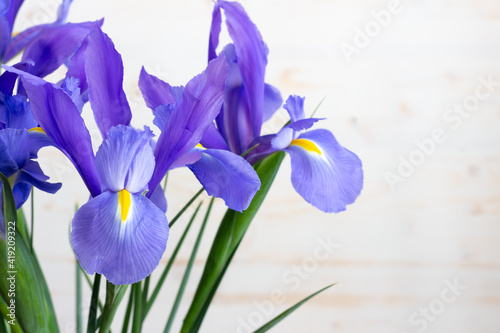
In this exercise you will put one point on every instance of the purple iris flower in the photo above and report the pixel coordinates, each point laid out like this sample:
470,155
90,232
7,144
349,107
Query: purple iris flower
47,45
121,233
324,173
222,173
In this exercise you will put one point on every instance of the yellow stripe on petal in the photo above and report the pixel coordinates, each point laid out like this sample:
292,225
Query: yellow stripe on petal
200,146
37,129
306,144
124,203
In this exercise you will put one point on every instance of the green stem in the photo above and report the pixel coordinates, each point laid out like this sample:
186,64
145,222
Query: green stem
78,298
185,279
137,322
163,276
126,320
186,206
91,327
114,296
32,217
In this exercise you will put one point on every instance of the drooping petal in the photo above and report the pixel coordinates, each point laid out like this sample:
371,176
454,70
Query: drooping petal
120,235
155,91
272,101
200,103
8,79
38,139
33,175
295,107
104,69
227,176
251,56
54,45
324,173
60,119
125,159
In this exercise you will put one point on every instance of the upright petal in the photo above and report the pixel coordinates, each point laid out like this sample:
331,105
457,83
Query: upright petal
104,68
251,58
54,45
155,91
324,173
272,101
76,67
125,159
227,176
59,117
120,236
194,112
215,29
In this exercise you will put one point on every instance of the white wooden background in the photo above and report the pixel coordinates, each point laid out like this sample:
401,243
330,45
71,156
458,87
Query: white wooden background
398,248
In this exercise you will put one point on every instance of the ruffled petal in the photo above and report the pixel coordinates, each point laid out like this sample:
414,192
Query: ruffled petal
324,173
155,91
227,176
59,117
200,103
125,159
16,112
125,250
295,107
104,69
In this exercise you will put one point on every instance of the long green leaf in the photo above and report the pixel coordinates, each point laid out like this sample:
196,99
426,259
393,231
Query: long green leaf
187,272
33,307
163,276
230,233
285,314
94,300
126,320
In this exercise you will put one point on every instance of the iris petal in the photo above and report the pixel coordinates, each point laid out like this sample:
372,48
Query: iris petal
328,180
200,103
295,107
124,252
60,119
227,176
155,91
125,159
104,69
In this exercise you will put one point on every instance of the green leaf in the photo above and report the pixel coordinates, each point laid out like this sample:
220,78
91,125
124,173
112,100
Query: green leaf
231,231
94,300
163,276
33,307
126,320
188,270
285,314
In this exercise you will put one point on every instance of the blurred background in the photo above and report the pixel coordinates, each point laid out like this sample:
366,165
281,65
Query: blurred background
412,87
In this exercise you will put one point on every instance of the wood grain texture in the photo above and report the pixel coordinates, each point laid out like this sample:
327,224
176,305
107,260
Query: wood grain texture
396,247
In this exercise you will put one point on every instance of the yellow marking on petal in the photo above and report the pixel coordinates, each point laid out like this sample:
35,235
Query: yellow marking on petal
37,129
200,146
15,34
306,144
124,202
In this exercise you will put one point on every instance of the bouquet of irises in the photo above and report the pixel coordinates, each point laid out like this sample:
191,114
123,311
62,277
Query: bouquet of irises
212,126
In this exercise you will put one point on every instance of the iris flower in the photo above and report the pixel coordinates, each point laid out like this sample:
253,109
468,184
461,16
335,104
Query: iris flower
222,173
324,173
119,232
